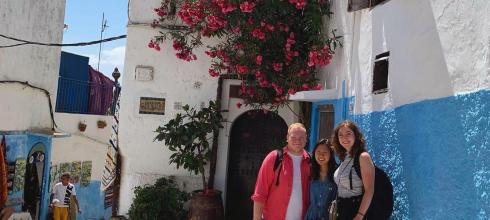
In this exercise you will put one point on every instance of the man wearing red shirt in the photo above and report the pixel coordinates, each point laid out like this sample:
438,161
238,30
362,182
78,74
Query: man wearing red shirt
287,198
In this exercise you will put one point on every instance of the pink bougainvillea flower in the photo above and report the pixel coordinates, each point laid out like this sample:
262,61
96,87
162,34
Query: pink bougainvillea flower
151,44
238,104
211,54
213,73
305,86
235,30
291,91
269,27
257,33
247,7
160,12
317,87
300,4
157,47
277,66
258,59
241,69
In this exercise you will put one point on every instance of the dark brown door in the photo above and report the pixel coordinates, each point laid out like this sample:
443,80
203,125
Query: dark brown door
253,135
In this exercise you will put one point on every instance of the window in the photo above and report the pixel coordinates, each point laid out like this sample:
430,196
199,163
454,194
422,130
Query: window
326,121
380,73
355,5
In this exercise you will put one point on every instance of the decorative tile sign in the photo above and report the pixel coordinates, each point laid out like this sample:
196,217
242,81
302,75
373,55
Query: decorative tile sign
149,105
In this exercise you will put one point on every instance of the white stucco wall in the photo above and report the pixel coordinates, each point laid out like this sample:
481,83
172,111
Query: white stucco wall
68,123
38,65
90,145
79,148
437,49
143,159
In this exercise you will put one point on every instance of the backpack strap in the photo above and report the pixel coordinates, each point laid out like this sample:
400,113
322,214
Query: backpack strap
278,164
357,168
357,164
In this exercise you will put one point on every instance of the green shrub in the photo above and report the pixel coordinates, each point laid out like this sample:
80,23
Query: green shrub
163,200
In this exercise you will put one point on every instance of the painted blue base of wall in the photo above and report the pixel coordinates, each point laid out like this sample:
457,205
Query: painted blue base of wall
91,200
437,153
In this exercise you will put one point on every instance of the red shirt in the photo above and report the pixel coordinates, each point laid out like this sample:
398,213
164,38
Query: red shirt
276,198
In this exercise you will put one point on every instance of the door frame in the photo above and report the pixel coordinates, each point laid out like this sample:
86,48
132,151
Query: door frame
230,113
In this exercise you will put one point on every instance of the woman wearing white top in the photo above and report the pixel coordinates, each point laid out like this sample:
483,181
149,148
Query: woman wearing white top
354,193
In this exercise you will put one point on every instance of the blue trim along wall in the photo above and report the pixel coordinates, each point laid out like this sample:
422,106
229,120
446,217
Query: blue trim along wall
437,153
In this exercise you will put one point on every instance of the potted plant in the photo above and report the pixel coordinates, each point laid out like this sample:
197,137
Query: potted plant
101,123
82,126
187,137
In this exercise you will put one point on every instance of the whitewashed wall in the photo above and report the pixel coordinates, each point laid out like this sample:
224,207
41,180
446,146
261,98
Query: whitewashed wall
437,49
90,145
37,65
143,159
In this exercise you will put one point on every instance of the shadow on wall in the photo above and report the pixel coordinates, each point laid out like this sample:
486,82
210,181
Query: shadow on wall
417,63
436,153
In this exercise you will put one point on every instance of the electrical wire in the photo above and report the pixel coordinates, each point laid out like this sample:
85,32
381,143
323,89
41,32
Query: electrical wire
53,123
26,42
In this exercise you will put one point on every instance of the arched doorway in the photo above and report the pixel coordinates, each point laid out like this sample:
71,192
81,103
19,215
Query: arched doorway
253,135
34,180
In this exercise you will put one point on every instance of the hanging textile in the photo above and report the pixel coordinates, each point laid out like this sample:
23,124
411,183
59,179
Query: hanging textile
109,174
3,173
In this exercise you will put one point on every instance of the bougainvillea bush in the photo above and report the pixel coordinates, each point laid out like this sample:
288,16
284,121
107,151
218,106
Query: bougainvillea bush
274,46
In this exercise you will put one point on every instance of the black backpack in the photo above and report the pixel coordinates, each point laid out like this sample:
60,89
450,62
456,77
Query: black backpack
381,206
278,161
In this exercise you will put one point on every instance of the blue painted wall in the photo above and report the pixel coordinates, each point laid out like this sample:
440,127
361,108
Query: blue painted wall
91,200
437,153
19,145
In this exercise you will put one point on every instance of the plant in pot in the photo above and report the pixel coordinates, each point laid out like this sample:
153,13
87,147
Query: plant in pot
82,126
101,123
187,137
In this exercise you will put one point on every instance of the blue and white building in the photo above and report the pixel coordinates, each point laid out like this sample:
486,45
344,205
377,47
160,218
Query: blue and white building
415,76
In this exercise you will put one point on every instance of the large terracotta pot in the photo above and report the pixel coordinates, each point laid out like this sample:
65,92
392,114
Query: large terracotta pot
206,206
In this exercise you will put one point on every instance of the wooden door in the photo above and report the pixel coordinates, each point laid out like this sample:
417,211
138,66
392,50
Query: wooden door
253,135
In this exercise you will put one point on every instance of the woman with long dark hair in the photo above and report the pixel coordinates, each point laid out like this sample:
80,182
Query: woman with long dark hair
322,186
355,192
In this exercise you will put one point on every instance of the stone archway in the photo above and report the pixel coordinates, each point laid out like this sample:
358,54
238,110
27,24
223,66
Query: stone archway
252,136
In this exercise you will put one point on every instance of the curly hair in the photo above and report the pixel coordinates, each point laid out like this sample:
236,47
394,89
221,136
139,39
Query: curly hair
332,164
359,143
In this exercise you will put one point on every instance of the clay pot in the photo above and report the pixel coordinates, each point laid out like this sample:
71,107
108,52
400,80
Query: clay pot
206,206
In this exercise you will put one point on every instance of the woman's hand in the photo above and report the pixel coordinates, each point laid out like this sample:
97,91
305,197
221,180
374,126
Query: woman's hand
358,217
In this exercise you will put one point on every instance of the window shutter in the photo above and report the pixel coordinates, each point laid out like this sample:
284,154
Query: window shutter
326,121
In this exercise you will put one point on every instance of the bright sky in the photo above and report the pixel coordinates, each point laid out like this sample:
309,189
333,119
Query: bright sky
84,18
